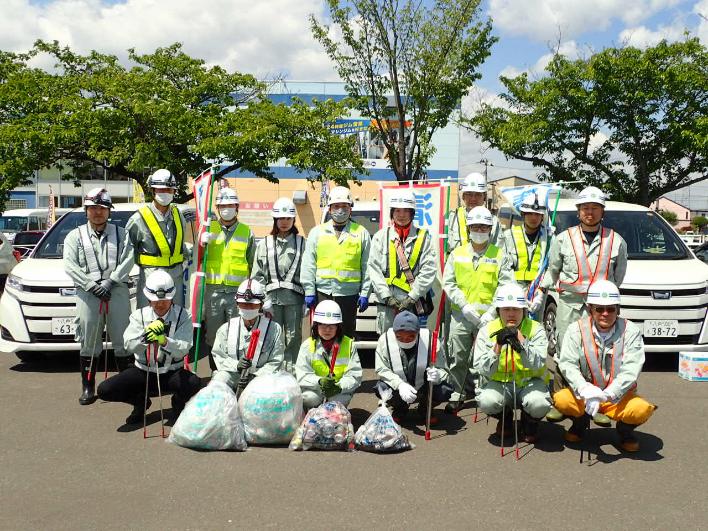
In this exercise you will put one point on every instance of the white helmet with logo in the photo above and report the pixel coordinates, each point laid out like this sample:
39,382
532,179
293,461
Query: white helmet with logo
283,208
474,182
327,312
479,216
98,197
403,198
603,293
162,179
530,204
591,194
339,194
250,291
510,296
159,286
227,196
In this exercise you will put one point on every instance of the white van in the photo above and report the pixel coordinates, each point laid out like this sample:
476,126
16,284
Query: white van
38,305
23,219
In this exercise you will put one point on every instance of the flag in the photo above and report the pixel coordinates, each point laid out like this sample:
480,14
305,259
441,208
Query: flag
200,189
138,194
516,194
51,214
324,194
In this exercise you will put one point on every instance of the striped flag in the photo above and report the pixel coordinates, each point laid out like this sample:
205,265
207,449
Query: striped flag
516,194
51,213
200,190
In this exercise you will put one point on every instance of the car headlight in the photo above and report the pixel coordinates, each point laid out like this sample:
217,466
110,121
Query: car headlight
14,282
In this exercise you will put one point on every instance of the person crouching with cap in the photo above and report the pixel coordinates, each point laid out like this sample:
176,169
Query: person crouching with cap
510,350
234,337
164,331
314,361
403,366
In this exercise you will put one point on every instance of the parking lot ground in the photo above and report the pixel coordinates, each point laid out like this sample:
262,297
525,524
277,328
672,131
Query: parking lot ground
65,466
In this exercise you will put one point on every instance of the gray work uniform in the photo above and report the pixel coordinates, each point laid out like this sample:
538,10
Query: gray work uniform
144,243
111,257
424,272
277,267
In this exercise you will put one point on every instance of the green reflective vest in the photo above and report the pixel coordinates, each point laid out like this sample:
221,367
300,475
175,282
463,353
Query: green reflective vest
321,366
227,263
340,261
510,361
526,270
479,284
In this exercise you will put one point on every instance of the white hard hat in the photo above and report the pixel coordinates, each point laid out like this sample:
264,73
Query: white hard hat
402,199
339,194
98,197
327,312
474,182
510,296
227,196
283,208
250,291
479,215
531,205
591,194
603,293
159,286
162,179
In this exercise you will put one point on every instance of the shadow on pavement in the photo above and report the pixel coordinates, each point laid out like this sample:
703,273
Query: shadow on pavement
661,362
603,445
55,363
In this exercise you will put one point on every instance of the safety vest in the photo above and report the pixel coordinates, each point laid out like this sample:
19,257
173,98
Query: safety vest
421,362
276,279
396,277
168,256
585,274
511,366
233,339
340,261
462,225
95,272
321,365
592,353
227,263
147,315
479,284
527,268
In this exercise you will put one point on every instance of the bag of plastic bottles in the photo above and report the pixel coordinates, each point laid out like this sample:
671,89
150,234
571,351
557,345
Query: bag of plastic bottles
210,421
327,427
381,434
271,408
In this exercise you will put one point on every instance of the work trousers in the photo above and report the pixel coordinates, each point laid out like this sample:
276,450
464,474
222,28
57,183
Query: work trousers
219,307
441,393
289,317
90,322
460,356
631,409
348,306
533,397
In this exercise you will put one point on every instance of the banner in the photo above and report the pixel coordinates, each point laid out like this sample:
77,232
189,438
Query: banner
51,213
516,194
344,126
138,193
200,189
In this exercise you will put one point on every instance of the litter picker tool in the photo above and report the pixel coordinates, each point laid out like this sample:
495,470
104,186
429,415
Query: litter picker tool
147,379
250,352
433,359
94,343
103,309
332,363
513,406
506,370
156,349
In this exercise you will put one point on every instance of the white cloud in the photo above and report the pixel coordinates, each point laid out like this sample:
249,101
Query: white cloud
570,49
701,9
643,37
546,20
256,37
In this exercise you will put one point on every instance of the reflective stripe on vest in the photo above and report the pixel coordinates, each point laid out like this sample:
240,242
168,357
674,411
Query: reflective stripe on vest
395,276
592,352
505,371
479,284
168,256
462,225
95,272
233,339
167,365
340,261
421,362
287,281
321,366
227,262
602,267
526,270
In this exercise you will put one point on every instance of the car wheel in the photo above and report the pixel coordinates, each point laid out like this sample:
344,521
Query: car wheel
29,357
549,323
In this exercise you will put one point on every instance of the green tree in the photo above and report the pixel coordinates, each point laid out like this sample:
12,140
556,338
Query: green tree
634,122
699,222
167,110
669,216
406,61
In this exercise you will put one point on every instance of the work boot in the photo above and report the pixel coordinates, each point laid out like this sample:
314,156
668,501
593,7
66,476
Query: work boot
136,416
530,427
399,414
422,413
177,407
554,415
454,406
577,430
602,420
125,362
628,442
88,382
508,424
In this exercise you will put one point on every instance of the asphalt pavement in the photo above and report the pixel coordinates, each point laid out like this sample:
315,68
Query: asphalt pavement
66,466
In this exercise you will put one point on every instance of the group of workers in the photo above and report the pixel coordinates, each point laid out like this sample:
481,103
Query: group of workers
492,349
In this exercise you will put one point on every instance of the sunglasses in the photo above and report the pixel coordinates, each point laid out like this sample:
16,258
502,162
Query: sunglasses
604,309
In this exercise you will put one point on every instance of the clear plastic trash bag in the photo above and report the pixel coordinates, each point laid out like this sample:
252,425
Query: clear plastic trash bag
381,434
327,427
271,408
210,421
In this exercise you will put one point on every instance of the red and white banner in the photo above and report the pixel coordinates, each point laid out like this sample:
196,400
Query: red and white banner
200,189
51,214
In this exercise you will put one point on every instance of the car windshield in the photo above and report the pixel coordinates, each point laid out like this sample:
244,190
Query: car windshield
13,223
648,236
53,245
369,219
27,238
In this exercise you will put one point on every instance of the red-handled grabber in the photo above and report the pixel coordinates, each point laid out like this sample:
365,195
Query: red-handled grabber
433,359
250,352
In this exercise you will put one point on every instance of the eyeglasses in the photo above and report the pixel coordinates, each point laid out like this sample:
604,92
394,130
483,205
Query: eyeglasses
604,309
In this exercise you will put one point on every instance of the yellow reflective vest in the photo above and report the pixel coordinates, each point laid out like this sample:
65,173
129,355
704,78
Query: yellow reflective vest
340,261
462,225
321,367
396,277
479,284
169,256
511,366
526,270
227,262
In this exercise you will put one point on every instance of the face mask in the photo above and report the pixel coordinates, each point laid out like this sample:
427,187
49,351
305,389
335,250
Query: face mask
249,315
411,344
164,199
479,237
227,214
340,215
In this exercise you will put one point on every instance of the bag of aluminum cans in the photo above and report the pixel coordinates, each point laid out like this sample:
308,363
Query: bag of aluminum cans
327,427
381,434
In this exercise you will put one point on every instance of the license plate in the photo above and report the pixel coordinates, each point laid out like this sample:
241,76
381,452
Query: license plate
661,328
63,326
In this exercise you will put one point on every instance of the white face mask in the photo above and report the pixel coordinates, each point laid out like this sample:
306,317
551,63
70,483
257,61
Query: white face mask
249,315
340,215
227,214
410,344
479,237
164,198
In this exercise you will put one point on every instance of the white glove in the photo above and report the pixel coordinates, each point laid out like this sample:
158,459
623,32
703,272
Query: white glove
589,391
592,406
434,375
205,238
407,392
471,314
535,304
